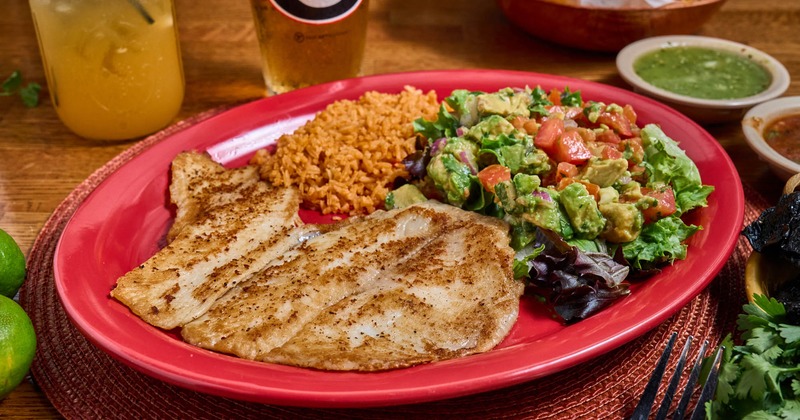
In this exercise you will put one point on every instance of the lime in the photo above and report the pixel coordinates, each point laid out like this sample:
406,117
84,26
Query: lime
12,265
17,345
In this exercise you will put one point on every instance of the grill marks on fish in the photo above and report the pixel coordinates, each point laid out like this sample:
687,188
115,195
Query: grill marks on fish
437,305
223,241
425,283
242,275
272,306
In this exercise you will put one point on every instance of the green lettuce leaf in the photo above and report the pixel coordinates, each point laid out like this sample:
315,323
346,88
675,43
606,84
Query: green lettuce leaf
659,242
445,125
667,164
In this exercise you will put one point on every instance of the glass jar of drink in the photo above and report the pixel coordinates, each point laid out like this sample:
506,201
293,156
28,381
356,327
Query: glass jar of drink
306,42
113,67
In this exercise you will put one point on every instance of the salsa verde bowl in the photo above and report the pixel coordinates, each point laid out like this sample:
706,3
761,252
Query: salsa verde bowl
711,66
756,126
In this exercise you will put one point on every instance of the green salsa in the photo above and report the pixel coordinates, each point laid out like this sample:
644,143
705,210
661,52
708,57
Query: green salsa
704,73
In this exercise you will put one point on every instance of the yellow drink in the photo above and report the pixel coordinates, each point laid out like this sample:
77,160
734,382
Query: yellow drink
306,42
113,69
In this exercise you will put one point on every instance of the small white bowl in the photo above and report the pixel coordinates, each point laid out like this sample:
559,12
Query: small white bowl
702,110
753,125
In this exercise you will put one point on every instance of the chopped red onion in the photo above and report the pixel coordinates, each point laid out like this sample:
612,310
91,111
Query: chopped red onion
437,145
465,160
543,195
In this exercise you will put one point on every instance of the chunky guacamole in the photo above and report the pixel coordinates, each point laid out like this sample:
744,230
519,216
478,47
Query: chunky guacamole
551,162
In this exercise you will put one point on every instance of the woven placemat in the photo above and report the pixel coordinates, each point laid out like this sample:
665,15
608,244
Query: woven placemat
82,381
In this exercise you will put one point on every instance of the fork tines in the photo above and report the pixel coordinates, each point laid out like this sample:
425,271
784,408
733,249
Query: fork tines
648,397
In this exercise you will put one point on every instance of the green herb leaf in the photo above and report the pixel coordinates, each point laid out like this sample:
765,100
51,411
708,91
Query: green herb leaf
569,98
790,333
760,379
445,125
539,101
30,94
12,83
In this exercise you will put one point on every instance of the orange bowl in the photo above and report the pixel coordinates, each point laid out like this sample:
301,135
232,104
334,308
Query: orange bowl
565,22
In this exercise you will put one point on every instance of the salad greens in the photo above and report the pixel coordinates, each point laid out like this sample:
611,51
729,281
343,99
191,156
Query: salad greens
761,378
582,172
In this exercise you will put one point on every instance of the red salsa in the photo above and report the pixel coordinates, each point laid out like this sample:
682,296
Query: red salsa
783,135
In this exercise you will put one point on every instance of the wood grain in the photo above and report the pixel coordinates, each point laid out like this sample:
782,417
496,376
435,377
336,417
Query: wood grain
41,161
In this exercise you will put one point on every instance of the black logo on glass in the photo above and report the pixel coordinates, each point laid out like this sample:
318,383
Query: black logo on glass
316,11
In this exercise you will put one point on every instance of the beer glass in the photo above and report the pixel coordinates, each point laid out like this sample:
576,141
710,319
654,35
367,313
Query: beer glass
113,67
306,42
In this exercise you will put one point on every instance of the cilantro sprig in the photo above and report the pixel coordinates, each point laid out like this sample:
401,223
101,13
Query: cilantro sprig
761,378
28,93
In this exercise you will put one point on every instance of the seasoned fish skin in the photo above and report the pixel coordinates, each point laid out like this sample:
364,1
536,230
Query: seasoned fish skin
198,185
273,305
251,224
425,283
456,296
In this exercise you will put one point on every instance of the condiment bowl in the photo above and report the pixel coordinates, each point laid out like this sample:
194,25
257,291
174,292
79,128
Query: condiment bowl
598,25
706,111
757,120
763,273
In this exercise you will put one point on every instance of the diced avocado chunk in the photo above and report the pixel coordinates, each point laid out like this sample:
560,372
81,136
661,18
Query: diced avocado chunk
451,176
582,210
526,184
505,102
491,126
404,196
521,159
541,208
624,222
608,195
604,172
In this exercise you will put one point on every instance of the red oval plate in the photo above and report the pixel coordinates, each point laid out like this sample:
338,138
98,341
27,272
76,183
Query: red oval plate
122,222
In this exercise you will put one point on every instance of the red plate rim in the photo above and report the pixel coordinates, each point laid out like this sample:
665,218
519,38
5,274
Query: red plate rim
122,221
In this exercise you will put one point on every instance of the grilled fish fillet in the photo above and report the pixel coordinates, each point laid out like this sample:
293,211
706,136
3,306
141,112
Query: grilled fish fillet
393,289
198,185
232,225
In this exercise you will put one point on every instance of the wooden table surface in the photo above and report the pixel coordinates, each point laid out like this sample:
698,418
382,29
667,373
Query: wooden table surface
41,162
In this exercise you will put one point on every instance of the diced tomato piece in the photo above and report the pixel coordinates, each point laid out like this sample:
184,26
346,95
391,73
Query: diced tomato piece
592,189
629,113
611,152
493,175
638,173
571,148
530,127
518,121
587,134
665,204
566,170
634,145
555,97
550,130
608,136
563,182
617,122
582,120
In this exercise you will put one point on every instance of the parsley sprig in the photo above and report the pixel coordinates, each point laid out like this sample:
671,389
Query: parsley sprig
28,93
761,378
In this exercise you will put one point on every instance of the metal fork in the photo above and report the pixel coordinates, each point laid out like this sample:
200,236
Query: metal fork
648,397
